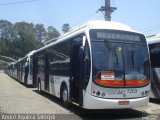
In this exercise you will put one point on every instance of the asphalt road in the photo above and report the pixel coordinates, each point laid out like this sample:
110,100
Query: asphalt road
20,102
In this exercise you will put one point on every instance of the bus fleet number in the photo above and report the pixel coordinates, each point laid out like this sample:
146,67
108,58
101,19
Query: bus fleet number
131,90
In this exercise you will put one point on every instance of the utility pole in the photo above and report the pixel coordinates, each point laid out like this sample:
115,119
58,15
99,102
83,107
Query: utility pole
107,9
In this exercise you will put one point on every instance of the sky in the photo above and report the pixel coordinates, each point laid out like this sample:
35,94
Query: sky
141,15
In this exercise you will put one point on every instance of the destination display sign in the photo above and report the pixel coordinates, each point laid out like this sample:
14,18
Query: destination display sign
118,36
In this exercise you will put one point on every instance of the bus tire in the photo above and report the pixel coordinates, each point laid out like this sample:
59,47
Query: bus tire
39,87
64,96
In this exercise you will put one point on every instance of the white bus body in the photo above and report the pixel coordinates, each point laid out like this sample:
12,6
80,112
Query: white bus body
101,65
22,70
154,47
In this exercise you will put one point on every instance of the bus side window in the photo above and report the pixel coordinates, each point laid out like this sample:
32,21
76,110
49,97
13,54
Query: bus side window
59,59
155,55
41,65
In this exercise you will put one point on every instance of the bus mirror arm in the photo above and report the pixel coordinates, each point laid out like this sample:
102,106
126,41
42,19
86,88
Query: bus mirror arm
72,79
84,40
83,62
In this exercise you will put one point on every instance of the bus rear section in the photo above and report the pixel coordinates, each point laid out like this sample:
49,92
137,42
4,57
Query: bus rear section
120,70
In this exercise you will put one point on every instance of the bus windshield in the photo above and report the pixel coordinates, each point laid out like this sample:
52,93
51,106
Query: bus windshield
120,61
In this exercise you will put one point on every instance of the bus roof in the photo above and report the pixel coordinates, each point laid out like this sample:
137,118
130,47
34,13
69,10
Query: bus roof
153,39
101,24
98,24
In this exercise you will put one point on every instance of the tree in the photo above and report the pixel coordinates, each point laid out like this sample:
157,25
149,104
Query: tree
24,30
6,30
25,34
17,40
40,32
65,27
52,33
6,35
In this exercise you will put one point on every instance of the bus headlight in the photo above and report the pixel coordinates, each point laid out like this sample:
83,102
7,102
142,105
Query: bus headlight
98,93
103,94
145,93
142,93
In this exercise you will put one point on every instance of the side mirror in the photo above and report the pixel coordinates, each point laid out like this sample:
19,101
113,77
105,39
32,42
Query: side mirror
81,52
84,40
26,63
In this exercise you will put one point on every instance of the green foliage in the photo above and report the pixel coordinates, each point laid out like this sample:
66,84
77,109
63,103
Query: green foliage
16,40
52,33
2,65
65,27
40,32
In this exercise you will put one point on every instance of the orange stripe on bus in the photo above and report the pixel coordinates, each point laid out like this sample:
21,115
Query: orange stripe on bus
110,83
130,83
107,73
122,83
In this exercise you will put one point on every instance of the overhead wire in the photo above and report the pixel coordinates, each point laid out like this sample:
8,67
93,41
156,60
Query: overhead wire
113,2
151,29
101,2
93,13
18,2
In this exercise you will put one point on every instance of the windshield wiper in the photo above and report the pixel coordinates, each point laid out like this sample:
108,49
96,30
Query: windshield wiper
133,55
133,58
114,54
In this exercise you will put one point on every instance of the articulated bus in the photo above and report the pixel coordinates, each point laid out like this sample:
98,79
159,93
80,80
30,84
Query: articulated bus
154,48
22,70
9,69
100,65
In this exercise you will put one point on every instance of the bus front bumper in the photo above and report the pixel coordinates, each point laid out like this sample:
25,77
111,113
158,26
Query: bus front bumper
91,102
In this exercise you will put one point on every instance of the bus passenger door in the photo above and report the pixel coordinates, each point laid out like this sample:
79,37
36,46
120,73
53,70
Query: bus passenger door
75,73
35,69
42,75
26,72
46,73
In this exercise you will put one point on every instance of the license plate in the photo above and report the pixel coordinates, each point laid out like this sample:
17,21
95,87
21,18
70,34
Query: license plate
123,102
